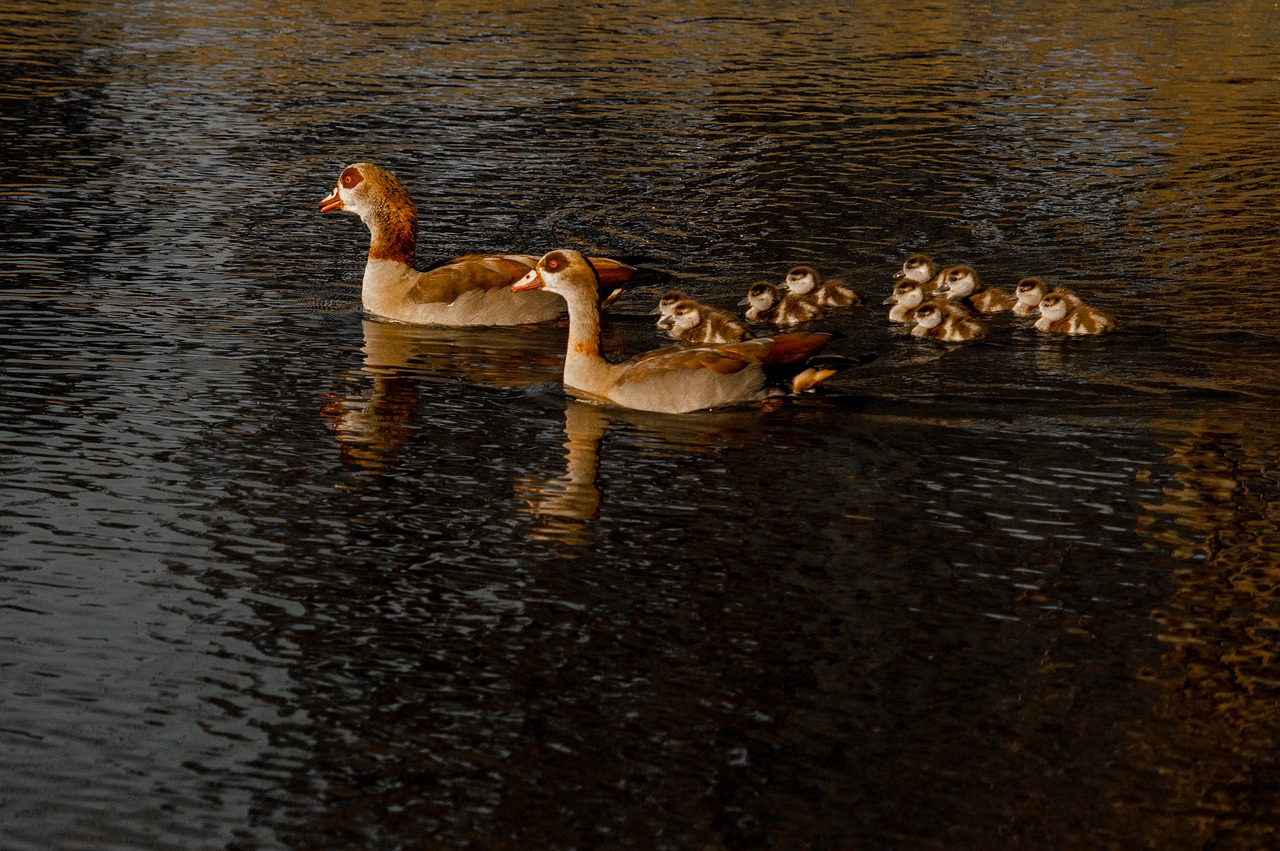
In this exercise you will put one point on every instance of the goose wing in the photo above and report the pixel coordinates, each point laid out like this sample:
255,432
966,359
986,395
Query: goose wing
725,358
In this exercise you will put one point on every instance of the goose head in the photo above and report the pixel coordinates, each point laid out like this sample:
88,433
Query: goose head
917,268
929,316
383,204
367,190
801,280
686,314
1031,290
958,282
666,304
1055,305
906,293
762,296
564,272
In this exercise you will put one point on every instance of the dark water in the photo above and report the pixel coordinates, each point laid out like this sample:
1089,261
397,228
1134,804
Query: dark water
276,575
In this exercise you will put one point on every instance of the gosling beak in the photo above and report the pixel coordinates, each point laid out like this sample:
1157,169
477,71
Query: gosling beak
890,300
331,202
530,281
899,275
746,300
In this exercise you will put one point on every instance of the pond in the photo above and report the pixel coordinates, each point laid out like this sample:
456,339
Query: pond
276,573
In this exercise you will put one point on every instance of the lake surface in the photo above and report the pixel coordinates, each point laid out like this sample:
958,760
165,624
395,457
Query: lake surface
276,574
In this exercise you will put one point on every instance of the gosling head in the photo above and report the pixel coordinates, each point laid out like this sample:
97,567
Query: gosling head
918,268
929,316
667,303
686,314
1030,291
1055,305
959,282
907,293
762,296
801,280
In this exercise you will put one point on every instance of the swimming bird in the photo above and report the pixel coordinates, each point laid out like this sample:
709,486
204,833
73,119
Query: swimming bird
907,295
802,281
666,304
961,282
769,306
918,268
676,379
699,323
1064,313
470,290
1029,292
937,320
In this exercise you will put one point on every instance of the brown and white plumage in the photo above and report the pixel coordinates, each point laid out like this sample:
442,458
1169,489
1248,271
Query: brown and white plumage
1029,292
1064,313
961,283
907,295
918,268
940,320
769,306
803,282
474,289
677,379
666,304
700,323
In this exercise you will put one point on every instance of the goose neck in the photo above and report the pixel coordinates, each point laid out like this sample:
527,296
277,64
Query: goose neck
393,230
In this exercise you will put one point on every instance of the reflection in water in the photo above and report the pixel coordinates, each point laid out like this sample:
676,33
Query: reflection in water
374,421
562,504
372,426
1222,628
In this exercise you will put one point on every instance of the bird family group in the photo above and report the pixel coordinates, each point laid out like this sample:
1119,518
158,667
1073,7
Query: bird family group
719,361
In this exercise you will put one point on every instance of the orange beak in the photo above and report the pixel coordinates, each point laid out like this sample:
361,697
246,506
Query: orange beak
530,281
331,202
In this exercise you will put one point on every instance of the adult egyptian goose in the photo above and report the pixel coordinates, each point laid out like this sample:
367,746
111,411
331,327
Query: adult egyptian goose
802,282
674,380
960,283
474,289
1064,313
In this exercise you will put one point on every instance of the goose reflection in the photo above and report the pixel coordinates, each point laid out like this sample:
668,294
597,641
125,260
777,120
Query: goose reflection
377,410
374,421
563,504
560,506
